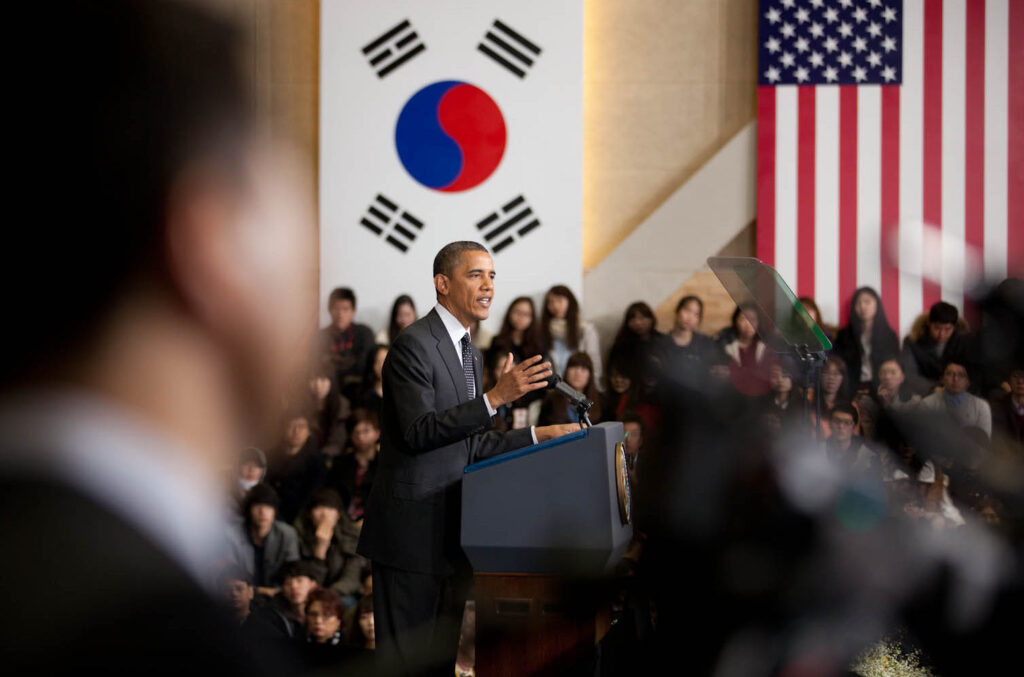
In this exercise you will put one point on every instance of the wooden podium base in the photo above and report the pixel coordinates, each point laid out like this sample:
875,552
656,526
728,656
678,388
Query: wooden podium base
523,627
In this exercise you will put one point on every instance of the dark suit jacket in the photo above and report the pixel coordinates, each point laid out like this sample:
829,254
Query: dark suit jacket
83,589
430,430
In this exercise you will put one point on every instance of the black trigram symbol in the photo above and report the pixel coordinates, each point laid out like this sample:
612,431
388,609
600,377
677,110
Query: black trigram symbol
513,221
509,48
397,227
393,48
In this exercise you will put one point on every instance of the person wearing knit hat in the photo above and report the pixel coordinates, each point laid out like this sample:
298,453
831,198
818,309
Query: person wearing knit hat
328,537
260,543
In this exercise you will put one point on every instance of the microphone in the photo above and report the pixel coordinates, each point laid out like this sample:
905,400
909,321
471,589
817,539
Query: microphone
578,399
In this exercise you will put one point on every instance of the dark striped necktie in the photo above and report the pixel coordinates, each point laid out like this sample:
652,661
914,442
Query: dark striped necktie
467,366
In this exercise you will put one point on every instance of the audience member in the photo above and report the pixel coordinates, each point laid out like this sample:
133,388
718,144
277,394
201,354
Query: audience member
812,309
748,354
953,399
579,374
622,392
935,338
283,617
686,354
638,336
785,402
328,537
252,468
296,467
563,332
352,475
259,543
848,450
373,385
867,340
403,313
344,345
324,612
892,391
361,633
633,426
236,585
1008,413
519,334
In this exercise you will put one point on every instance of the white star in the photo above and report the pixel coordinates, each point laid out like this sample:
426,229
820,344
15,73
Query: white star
772,74
816,3
845,3
889,73
889,44
845,29
787,30
802,45
875,59
788,4
831,74
831,44
875,29
801,74
845,59
772,15
816,30
889,14
859,74
832,15
802,15
875,3
772,45
860,44
786,60
816,59
860,14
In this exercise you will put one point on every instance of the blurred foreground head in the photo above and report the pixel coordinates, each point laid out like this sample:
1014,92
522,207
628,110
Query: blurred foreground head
162,254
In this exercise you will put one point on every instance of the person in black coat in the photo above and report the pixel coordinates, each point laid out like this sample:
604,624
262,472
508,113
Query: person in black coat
296,468
435,422
867,340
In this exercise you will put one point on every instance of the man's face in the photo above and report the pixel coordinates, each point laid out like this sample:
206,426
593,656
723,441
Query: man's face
634,439
470,289
262,516
239,595
940,331
342,313
842,426
890,375
1017,383
365,435
298,432
296,588
954,379
321,623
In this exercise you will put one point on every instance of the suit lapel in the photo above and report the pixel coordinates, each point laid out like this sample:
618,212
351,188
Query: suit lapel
447,351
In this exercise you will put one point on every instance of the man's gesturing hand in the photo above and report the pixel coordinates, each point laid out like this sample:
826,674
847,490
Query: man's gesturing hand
550,432
514,382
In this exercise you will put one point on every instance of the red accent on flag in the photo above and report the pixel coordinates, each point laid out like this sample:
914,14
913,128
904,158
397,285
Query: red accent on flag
932,161
974,136
890,203
766,174
847,198
805,192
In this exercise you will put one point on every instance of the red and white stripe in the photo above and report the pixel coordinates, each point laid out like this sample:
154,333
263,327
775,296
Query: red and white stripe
854,183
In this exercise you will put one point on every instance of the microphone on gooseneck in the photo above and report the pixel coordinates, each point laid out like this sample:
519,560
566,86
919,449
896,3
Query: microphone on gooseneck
577,398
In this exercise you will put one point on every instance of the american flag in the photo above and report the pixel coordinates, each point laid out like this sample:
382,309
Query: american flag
890,144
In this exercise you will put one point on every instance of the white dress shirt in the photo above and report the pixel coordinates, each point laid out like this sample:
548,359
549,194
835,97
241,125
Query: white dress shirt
456,331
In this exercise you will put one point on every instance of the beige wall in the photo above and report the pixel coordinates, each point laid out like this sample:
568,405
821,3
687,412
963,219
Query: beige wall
666,84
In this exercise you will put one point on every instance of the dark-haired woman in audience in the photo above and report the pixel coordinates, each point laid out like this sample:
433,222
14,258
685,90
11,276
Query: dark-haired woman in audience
749,357
867,340
812,308
327,536
403,313
622,391
638,336
579,374
785,402
687,354
361,634
373,384
520,333
564,333
833,390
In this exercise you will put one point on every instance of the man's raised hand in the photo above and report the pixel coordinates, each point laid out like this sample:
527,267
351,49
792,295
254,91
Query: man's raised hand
515,381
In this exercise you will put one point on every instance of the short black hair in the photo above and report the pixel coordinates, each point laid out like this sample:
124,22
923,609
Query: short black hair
311,569
943,313
451,254
845,408
686,299
341,294
147,89
233,572
261,494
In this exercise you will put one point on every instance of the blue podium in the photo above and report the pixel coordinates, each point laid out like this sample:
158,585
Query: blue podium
533,522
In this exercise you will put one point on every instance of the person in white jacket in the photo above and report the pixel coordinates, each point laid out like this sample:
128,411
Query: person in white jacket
966,409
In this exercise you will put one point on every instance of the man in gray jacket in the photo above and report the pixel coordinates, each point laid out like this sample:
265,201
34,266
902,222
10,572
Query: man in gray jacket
261,544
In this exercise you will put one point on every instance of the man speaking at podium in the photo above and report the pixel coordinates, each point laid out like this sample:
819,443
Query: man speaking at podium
434,422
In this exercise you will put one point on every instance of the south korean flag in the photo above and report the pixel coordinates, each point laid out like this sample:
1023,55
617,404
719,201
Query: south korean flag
450,120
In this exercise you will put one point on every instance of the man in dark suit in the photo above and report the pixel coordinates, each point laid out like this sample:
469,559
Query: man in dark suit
164,305
435,421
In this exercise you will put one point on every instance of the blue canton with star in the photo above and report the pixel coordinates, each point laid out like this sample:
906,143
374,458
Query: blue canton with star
830,42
